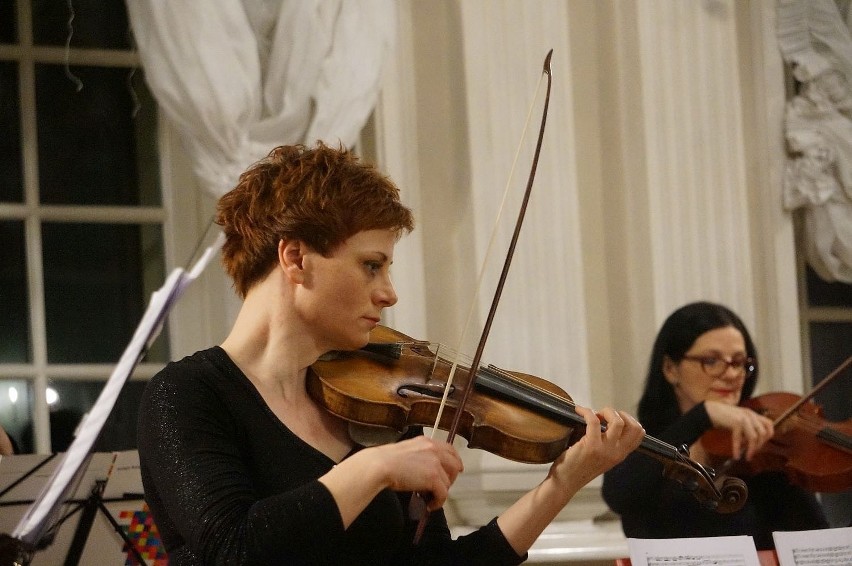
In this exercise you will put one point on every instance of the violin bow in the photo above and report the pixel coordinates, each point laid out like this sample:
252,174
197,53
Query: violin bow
417,507
817,388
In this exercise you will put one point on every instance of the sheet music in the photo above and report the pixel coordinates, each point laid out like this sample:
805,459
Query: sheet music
44,511
125,480
707,551
30,472
824,547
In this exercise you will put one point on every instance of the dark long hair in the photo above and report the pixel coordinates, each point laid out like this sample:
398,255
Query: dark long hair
658,406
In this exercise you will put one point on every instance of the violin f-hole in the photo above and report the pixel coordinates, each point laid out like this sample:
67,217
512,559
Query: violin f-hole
431,390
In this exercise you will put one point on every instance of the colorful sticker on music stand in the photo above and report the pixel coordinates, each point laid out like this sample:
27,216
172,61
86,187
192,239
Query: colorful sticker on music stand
141,530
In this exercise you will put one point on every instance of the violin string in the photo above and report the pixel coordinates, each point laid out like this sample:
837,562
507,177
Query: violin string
532,387
831,436
817,388
805,424
649,442
658,445
458,356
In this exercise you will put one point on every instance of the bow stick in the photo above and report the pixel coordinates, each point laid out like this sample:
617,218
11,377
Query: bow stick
417,506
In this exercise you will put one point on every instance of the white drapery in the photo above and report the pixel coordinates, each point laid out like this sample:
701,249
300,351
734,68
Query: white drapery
238,77
815,39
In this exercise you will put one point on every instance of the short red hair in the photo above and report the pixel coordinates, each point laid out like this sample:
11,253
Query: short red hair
318,195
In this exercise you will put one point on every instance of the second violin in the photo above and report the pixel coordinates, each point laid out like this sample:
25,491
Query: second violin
814,453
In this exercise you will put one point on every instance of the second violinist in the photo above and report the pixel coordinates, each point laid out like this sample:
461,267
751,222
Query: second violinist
241,466
703,366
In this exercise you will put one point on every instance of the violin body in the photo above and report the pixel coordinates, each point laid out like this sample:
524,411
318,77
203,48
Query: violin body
814,453
367,390
396,382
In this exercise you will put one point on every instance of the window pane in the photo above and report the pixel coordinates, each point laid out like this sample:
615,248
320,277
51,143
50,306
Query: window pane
96,23
16,404
75,398
95,144
830,346
14,304
98,280
11,181
8,30
824,294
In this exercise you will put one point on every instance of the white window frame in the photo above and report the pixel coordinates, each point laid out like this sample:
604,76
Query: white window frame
39,372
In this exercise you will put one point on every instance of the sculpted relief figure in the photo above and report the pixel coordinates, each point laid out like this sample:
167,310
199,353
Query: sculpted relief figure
816,41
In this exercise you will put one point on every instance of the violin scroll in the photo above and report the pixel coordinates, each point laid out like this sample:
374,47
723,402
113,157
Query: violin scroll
721,493
734,494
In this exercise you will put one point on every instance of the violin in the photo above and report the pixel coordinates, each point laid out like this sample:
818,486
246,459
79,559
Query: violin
814,453
396,382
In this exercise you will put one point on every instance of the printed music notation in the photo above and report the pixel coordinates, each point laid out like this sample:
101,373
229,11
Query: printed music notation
708,551
824,547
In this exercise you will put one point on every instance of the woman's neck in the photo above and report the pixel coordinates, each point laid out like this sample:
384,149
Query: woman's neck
268,345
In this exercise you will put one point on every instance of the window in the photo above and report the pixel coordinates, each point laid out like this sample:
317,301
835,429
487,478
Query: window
827,341
81,218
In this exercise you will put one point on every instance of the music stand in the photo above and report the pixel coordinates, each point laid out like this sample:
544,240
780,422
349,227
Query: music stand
36,525
110,479
23,477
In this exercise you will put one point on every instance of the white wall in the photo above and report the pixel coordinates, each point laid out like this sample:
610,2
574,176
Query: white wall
658,183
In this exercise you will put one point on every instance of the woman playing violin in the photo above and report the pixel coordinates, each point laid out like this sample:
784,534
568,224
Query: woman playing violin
703,365
240,464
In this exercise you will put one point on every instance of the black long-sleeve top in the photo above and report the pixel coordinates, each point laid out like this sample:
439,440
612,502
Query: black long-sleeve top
229,483
652,506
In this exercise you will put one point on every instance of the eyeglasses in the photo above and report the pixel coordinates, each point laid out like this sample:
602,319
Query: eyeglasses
715,366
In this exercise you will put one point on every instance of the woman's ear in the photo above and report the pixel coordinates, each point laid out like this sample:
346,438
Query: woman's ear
290,258
671,371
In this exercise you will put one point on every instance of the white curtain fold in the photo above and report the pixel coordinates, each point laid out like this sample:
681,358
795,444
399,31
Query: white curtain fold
238,77
815,40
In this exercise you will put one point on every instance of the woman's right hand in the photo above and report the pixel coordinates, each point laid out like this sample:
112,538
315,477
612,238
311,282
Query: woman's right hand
749,430
419,464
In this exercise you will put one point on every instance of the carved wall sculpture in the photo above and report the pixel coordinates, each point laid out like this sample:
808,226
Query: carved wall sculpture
816,42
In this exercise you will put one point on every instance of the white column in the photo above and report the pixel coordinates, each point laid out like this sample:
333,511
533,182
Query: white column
540,322
700,212
698,198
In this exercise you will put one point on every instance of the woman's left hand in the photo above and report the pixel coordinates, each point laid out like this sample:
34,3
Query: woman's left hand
597,451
